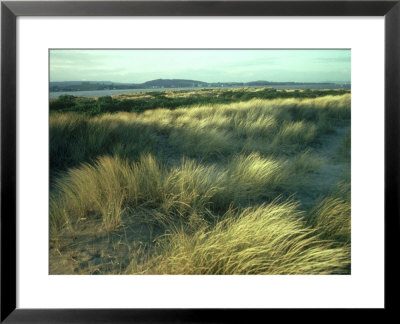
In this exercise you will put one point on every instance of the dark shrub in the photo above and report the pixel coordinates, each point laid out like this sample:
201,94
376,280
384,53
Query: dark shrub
62,102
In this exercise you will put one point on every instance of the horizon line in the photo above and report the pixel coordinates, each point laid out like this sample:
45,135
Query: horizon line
336,81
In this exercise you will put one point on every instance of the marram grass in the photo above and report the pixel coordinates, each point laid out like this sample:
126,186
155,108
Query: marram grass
270,239
214,185
112,185
279,126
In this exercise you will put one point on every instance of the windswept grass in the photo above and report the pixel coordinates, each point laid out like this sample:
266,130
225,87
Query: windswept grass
75,138
269,239
280,126
111,186
211,189
332,215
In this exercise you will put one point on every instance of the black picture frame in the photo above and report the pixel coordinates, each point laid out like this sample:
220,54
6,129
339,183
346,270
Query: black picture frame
10,10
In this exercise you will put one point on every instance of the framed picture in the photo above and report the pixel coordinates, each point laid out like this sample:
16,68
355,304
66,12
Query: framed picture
171,161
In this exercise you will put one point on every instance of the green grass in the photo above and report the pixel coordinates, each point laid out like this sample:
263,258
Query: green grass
171,99
211,189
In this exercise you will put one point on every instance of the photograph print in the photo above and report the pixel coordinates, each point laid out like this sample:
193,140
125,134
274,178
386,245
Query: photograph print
200,162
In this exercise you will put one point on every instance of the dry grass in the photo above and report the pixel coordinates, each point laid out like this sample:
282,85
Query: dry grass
332,214
269,239
212,185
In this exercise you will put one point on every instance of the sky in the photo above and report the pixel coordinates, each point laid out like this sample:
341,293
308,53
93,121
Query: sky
137,66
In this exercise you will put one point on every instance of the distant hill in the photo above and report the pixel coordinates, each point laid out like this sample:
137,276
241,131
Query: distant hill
170,83
74,83
175,83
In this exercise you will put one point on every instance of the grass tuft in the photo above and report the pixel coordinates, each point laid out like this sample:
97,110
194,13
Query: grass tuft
269,239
